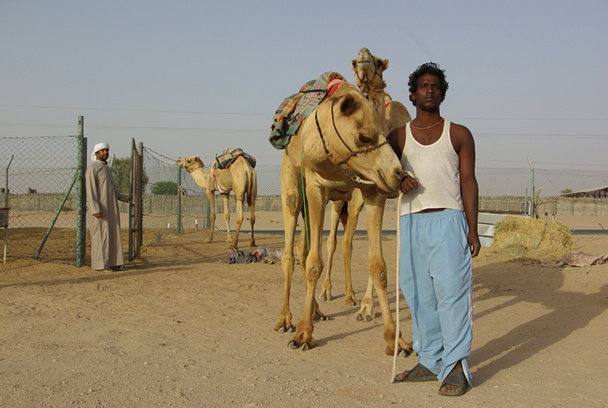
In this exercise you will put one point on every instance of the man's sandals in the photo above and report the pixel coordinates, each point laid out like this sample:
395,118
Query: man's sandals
456,379
420,374
417,374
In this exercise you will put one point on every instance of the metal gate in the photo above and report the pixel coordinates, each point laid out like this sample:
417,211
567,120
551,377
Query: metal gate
136,204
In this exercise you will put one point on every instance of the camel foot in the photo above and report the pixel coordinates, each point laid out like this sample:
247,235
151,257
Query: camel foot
252,243
284,327
364,316
317,315
404,351
350,300
303,345
326,295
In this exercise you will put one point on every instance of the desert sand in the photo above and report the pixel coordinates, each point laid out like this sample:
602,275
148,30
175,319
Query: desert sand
181,329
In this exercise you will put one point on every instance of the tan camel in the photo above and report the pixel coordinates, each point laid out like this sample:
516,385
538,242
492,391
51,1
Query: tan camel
240,178
339,147
368,77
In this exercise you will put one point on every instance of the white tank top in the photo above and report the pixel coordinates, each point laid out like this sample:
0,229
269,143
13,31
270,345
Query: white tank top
436,168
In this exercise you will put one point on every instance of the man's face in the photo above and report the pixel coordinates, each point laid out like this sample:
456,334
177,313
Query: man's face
103,154
428,93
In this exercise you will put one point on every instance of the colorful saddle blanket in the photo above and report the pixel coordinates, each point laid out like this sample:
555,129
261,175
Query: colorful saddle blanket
228,157
295,108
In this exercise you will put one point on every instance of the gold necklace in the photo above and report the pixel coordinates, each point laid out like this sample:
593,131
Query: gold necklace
428,127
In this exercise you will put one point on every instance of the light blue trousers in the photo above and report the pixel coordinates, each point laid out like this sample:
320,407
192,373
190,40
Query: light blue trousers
436,278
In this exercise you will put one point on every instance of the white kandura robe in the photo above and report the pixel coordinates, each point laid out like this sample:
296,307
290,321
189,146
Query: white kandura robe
102,197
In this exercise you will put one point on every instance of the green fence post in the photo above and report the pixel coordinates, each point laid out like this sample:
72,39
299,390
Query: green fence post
141,193
179,201
81,223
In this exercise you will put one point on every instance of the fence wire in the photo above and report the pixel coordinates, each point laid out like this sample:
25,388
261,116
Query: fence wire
42,169
40,173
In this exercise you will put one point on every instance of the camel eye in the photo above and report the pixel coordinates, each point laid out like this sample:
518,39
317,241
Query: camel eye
365,139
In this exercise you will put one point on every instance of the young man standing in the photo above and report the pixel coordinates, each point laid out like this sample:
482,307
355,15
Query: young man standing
438,231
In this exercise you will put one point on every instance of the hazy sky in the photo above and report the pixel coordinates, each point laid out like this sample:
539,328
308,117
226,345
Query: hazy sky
196,77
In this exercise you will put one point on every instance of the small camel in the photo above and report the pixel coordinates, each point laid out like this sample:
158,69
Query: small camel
368,77
339,148
240,178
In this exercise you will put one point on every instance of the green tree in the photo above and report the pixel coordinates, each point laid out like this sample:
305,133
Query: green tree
567,191
121,171
164,188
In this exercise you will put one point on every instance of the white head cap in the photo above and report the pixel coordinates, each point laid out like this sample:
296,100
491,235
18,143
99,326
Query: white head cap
98,147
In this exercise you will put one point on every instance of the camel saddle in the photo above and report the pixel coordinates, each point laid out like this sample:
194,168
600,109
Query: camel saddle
295,108
229,156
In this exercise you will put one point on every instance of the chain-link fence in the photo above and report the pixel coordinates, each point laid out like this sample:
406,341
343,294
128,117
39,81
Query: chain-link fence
38,173
38,177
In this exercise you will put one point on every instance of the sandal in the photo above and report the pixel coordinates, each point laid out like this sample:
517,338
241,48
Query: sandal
456,379
417,374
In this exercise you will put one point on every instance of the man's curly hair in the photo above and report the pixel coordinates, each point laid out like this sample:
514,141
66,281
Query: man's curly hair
428,68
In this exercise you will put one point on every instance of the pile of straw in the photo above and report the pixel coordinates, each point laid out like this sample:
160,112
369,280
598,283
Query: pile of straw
529,239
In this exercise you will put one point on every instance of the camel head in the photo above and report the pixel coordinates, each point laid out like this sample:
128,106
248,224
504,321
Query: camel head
190,163
368,71
348,142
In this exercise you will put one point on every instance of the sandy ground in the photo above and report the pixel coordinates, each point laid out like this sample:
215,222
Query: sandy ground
180,329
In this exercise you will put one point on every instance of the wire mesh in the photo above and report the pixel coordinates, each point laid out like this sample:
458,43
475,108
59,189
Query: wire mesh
42,169
37,173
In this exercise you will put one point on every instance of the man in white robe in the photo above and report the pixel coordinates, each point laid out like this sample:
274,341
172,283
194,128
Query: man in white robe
102,202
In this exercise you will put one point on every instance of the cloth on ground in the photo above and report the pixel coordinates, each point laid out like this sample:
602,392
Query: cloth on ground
229,156
270,255
239,257
575,260
295,108
266,255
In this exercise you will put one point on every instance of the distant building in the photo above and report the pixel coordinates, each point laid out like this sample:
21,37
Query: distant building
598,192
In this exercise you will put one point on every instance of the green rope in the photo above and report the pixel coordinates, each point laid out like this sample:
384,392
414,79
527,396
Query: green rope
304,201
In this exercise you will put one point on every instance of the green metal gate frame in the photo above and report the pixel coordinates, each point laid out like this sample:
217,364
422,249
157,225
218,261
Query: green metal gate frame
136,203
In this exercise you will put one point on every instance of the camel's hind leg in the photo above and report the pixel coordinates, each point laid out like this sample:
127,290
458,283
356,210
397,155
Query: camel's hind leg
366,312
211,199
377,268
355,205
251,197
226,198
239,221
336,210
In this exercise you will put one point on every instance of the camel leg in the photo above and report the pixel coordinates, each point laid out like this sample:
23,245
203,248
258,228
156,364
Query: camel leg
291,201
226,198
211,199
355,206
377,268
336,209
239,221
252,208
317,199
366,313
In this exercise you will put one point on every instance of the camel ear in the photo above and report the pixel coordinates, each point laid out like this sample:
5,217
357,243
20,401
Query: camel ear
384,64
353,64
349,105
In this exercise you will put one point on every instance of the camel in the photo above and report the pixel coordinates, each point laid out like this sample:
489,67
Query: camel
338,148
239,178
368,77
